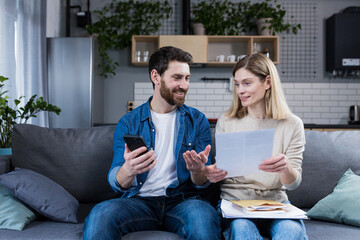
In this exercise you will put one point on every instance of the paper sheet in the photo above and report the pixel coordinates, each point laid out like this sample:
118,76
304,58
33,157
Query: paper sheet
240,153
232,210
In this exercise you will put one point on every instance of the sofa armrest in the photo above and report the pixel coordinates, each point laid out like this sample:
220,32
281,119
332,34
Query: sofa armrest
5,164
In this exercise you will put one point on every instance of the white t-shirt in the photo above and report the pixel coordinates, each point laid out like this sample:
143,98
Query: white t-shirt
164,172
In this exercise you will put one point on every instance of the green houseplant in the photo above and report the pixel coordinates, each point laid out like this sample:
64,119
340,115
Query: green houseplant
271,15
10,116
222,17
119,20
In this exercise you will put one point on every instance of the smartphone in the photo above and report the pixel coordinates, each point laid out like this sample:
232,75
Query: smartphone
134,142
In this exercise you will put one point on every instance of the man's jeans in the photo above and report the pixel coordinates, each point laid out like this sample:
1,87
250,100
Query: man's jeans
190,218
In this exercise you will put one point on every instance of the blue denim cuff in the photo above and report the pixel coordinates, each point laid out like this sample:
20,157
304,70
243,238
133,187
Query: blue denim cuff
205,185
112,180
114,183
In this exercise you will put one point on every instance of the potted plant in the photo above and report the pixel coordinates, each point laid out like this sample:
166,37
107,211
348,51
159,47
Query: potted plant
222,17
198,28
119,20
269,17
10,116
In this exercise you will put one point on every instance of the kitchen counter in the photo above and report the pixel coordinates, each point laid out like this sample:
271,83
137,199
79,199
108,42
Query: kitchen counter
332,127
310,126
313,126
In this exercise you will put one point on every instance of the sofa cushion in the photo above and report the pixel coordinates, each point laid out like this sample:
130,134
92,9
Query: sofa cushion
14,214
42,194
77,159
45,230
343,204
327,156
322,230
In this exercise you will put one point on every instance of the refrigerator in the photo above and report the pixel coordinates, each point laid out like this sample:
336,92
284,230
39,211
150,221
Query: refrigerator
72,83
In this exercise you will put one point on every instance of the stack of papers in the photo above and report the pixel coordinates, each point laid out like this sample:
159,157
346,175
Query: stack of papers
260,209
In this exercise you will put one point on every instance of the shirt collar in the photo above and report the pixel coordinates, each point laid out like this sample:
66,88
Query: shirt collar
145,113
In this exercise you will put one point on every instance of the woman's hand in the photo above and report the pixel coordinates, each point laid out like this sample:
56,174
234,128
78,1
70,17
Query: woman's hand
278,164
214,174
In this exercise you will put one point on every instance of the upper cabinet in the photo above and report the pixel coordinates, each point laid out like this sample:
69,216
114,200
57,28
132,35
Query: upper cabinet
209,50
195,45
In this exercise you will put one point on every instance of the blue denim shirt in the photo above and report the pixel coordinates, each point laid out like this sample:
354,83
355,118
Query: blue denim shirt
192,132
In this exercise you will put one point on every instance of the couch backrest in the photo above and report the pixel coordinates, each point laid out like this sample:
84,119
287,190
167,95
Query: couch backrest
326,158
77,159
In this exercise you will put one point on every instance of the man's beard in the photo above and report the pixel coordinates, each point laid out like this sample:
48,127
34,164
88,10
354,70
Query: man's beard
168,96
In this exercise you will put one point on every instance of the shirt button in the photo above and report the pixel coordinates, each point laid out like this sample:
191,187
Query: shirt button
153,130
189,144
140,183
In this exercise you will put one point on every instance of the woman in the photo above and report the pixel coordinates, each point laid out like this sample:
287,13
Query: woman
259,103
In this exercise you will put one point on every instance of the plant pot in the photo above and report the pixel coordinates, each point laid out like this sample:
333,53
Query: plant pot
264,26
5,151
198,29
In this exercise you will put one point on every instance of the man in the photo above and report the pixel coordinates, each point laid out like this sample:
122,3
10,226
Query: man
160,187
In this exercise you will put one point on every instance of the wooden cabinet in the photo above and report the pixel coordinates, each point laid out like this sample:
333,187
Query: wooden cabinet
195,45
142,44
204,49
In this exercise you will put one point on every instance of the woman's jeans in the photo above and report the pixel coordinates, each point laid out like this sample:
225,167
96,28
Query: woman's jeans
190,218
252,229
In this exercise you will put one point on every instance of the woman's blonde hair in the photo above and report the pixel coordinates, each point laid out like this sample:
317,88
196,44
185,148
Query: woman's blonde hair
261,66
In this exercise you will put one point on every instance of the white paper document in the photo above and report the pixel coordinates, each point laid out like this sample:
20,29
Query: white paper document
240,153
232,210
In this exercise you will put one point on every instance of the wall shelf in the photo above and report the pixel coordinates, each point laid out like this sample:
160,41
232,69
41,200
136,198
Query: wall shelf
204,49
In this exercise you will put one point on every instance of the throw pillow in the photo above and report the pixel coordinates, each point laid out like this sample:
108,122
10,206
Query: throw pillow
14,214
343,204
42,194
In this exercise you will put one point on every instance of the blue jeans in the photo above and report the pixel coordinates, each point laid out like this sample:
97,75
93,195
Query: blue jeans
285,229
189,218
252,229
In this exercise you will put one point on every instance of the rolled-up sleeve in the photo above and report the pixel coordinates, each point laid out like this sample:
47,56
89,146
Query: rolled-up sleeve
118,157
295,153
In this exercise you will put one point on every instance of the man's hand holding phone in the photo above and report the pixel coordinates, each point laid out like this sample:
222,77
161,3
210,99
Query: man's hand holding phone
139,159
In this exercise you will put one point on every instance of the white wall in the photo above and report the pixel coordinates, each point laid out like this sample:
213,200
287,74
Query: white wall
316,103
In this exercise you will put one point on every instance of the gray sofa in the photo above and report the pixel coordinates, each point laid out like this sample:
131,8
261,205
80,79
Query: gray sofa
79,159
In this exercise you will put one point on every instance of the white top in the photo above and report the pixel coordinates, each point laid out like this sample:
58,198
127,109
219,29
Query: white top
289,139
164,173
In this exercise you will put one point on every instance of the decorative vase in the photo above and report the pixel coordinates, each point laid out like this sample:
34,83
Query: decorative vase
198,29
5,151
264,26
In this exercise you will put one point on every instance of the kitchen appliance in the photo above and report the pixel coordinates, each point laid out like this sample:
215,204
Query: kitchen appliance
72,83
354,114
342,44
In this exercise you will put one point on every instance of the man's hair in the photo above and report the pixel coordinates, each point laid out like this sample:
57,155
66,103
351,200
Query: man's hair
161,58
261,66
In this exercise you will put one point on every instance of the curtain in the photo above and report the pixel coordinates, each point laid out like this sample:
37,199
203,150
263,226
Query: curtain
23,50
